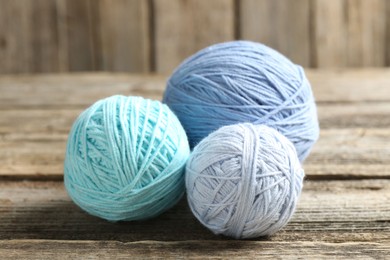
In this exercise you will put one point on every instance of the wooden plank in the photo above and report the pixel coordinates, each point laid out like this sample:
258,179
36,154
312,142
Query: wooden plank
62,28
388,32
36,124
33,140
354,115
345,33
350,153
16,124
350,85
328,32
52,36
356,153
81,90
328,211
43,44
29,43
183,27
366,33
53,124
281,24
58,249
349,33
74,90
48,91
77,46
124,35
40,158
14,36
80,26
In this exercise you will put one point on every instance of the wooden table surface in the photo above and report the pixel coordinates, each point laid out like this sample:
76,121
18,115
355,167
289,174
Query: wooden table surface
344,210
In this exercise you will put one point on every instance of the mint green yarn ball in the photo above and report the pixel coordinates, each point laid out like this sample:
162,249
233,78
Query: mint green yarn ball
125,159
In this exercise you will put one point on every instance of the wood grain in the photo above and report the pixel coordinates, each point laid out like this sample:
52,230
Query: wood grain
76,38
124,35
328,33
343,212
57,249
39,36
361,153
349,33
43,42
33,143
74,90
14,52
350,85
81,90
281,24
183,27
354,115
387,33
28,43
328,211
55,36
55,123
366,33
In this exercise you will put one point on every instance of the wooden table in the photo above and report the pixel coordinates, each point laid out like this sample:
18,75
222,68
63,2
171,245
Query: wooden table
344,210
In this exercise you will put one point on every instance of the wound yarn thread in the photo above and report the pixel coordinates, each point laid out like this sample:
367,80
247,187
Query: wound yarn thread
244,181
242,81
125,159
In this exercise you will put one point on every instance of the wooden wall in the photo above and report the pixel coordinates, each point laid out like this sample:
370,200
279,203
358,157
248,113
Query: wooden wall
156,35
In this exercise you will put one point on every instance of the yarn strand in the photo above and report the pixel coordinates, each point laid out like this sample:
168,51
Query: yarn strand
125,159
244,181
239,82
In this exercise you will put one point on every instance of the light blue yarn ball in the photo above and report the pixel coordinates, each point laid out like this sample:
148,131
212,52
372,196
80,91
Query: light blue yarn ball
244,181
242,81
125,159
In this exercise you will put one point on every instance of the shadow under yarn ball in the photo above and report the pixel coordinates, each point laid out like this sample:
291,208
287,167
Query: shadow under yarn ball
242,81
244,181
125,159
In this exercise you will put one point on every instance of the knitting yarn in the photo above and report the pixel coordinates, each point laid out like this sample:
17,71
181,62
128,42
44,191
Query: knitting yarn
125,159
244,180
242,81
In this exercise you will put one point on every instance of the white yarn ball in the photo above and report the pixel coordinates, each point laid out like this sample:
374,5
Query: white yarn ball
244,181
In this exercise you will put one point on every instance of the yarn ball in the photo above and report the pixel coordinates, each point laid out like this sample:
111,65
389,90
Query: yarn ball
244,181
125,159
242,81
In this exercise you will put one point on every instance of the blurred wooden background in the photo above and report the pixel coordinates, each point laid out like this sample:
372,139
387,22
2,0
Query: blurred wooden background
39,36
